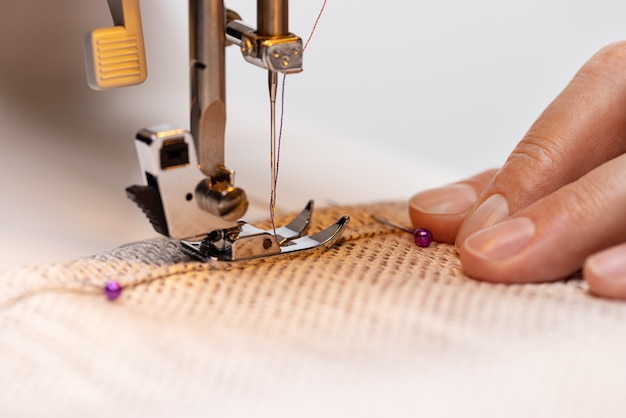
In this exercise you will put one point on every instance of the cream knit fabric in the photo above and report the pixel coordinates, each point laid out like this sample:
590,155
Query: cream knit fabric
374,327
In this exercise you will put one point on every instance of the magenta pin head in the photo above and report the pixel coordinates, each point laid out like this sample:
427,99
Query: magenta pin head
112,290
423,237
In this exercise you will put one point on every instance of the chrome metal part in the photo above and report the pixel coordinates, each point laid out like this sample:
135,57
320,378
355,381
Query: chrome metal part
297,227
219,197
169,198
207,45
271,46
272,17
282,54
216,194
246,242
235,30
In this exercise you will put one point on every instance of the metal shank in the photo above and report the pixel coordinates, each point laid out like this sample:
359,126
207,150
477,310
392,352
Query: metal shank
272,17
208,82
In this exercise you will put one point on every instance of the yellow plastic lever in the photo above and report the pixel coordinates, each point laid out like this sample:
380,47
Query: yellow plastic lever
115,56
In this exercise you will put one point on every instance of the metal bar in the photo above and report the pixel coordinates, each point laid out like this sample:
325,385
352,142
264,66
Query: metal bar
207,34
272,17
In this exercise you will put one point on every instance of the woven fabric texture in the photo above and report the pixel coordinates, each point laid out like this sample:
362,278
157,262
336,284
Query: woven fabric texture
373,327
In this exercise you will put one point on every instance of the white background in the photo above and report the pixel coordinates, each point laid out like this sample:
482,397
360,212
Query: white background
395,97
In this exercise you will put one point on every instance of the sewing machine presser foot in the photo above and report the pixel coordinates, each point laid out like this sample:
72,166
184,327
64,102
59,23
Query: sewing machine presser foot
247,242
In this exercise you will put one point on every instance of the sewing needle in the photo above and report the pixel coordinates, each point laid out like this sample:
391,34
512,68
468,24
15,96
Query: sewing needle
273,88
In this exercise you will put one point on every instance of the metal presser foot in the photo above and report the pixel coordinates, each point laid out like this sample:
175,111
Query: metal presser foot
246,242
202,213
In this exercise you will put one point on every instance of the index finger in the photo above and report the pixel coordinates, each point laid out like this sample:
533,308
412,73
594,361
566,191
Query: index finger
582,128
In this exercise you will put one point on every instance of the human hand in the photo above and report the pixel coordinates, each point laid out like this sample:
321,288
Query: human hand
559,202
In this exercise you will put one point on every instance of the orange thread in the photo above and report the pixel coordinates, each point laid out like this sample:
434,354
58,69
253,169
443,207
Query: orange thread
314,26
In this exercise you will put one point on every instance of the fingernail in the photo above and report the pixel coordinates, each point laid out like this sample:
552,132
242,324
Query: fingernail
491,211
609,264
449,200
502,240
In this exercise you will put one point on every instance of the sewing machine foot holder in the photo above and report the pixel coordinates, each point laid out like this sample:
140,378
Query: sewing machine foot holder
189,193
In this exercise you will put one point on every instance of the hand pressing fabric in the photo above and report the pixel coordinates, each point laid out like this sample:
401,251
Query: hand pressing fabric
559,202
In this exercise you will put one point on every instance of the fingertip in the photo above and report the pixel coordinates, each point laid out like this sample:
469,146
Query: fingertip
456,199
443,209
605,272
493,210
443,227
497,253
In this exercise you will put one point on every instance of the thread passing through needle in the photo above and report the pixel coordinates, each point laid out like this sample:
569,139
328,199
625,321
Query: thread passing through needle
275,141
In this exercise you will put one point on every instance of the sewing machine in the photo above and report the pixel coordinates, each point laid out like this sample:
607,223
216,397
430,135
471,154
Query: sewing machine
189,193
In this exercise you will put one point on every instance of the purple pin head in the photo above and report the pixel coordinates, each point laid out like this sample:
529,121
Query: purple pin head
112,290
423,237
